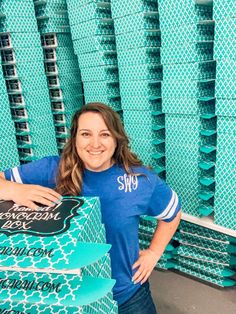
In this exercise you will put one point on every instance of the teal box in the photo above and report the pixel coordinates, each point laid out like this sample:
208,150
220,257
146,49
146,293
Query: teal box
202,231
139,56
17,8
102,73
50,9
187,52
223,9
97,58
185,11
187,33
120,9
113,102
210,243
89,296
92,27
62,67
59,81
101,87
137,39
9,157
22,55
56,40
189,123
149,145
31,83
59,53
3,91
54,24
190,71
226,70
141,103
190,88
22,69
142,131
185,105
205,267
94,43
17,24
140,87
72,76
92,10
137,21
30,109
216,280
67,104
78,5
225,89
225,48
226,107
144,117
6,123
224,215
141,72
34,122
205,254
39,150
226,125
225,29
29,97
27,243
146,155
65,91
4,103
20,40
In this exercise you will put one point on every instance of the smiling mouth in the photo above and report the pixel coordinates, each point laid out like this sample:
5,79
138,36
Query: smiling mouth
95,153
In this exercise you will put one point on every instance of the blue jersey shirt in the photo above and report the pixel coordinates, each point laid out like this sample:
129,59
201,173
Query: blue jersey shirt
123,199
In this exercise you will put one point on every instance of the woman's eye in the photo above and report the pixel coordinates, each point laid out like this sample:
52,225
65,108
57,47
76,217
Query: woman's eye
85,134
105,134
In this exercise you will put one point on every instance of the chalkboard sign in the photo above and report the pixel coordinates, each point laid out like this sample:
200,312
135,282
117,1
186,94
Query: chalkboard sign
45,221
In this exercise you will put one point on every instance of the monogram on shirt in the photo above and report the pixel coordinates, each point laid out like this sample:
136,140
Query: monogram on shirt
128,182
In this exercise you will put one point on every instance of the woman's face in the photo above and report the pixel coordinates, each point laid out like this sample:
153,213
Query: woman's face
94,142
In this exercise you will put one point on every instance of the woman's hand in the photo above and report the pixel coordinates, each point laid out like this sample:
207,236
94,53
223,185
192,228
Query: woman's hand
28,194
146,262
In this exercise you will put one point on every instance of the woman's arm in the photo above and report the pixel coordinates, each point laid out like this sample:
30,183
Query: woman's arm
148,258
27,194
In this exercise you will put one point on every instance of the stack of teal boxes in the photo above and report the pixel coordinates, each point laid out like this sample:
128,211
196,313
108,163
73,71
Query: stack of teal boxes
61,65
224,13
206,254
22,63
9,157
187,32
60,263
140,73
197,251
52,16
92,30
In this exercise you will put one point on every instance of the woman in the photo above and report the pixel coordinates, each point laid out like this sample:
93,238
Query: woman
97,161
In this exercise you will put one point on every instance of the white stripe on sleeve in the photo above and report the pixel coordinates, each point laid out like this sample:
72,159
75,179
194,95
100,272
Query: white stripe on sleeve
16,175
172,211
168,208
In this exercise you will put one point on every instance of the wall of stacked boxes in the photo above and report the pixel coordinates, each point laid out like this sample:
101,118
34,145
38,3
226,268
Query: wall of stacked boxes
168,68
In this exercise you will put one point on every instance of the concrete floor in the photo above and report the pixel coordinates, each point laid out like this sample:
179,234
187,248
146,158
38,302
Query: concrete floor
174,293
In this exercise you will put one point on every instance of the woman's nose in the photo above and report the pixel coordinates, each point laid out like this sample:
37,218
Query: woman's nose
95,141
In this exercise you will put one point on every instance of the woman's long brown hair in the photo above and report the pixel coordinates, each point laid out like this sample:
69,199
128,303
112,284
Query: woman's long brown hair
71,168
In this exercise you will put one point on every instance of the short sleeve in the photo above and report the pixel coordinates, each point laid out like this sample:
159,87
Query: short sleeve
164,203
42,172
